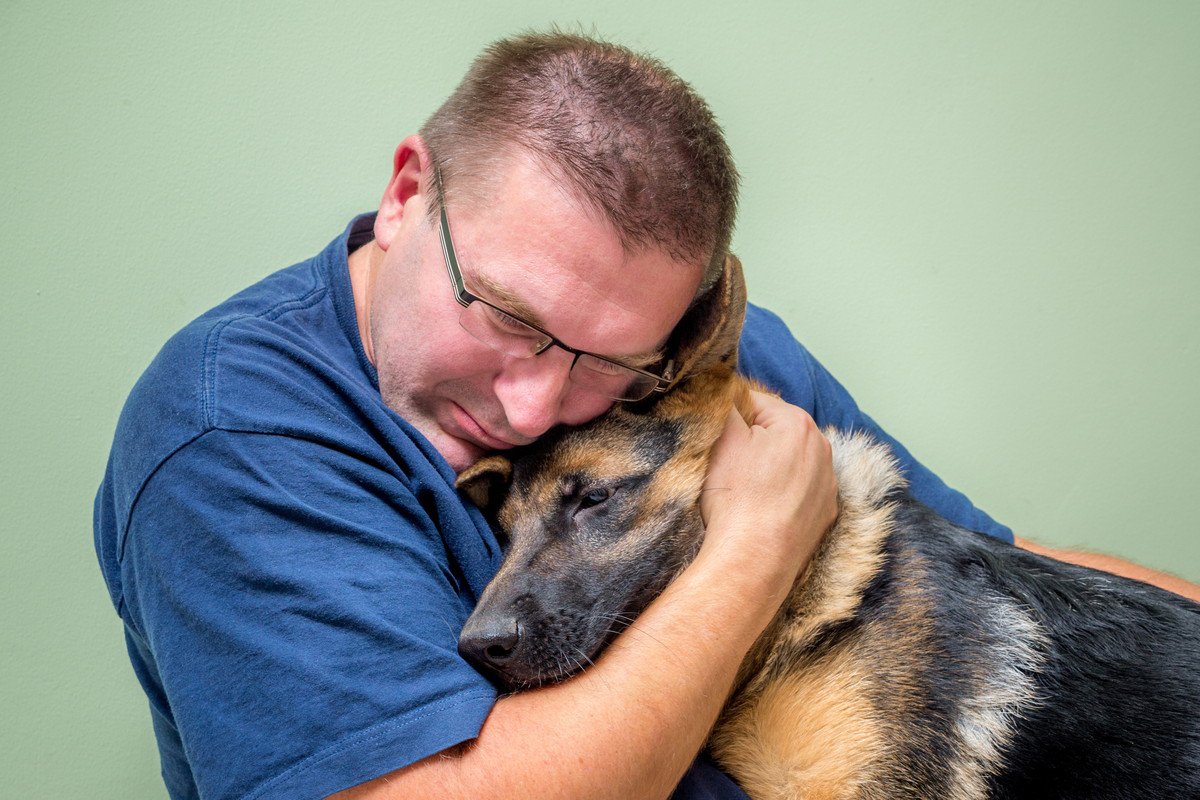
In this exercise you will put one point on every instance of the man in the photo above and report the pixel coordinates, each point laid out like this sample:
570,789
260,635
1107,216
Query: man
278,526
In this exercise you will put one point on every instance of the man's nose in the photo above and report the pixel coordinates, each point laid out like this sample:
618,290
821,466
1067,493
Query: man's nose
532,390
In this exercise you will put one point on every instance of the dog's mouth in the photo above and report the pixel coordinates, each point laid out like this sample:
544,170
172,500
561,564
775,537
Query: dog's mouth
530,643
534,629
535,640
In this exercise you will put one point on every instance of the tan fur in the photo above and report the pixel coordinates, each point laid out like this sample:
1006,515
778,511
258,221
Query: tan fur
820,725
482,480
813,733
811,728
610,457
701,406
812,721
832,586
810,717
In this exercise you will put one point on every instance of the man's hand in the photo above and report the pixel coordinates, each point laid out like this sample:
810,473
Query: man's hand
629,726
771,491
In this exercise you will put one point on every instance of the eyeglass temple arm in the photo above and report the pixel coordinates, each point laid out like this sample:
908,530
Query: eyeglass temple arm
456,280
668,377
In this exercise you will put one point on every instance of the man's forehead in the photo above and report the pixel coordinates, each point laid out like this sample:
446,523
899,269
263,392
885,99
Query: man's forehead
533,228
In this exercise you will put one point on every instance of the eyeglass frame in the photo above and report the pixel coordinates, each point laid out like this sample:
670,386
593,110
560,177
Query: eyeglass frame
465,297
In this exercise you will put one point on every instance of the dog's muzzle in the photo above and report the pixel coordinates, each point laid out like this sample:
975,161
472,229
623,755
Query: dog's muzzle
490,641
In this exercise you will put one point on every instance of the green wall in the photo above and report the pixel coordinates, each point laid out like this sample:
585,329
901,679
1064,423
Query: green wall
982,217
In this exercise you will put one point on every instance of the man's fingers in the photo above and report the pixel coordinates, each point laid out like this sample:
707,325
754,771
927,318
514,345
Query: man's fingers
768,409
734,434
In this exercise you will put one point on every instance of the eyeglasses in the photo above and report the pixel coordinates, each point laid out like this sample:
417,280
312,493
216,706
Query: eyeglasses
513,336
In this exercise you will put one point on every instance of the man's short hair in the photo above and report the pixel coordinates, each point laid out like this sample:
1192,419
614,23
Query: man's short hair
624,131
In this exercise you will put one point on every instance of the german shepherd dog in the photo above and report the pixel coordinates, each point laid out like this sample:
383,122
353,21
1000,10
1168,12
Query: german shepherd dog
911,659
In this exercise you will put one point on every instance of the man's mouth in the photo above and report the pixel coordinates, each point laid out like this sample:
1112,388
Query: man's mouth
476,433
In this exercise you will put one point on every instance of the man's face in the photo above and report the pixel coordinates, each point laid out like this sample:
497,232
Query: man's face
534,250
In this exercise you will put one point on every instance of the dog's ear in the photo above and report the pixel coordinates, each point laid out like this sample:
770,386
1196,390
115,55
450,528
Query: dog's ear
708,333
485,483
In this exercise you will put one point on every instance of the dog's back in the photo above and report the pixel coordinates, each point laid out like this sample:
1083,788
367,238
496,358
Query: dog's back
912,659
1117,683
918,659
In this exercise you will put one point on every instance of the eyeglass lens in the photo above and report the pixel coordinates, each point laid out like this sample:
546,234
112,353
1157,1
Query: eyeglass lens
511,336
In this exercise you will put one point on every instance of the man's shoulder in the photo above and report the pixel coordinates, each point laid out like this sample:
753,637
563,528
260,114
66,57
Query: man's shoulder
770,354
766,337
273,358
177,393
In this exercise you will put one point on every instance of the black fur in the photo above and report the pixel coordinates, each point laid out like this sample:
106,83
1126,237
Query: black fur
1112,666
1118,688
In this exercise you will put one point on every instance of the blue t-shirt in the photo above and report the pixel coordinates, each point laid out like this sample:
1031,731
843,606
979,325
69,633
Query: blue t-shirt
291,560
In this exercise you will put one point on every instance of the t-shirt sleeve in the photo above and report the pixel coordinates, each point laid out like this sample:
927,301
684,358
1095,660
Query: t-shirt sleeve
771,355
293,614
704,780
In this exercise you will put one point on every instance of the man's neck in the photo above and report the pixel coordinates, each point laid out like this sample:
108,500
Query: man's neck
364,262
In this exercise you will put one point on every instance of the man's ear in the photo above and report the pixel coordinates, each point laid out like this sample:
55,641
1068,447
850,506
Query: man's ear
709,332
412,177
485,483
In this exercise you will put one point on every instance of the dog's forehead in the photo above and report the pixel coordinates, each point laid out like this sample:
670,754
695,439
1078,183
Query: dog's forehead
615,445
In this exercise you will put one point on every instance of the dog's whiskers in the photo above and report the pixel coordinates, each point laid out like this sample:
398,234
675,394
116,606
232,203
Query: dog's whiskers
583,655
625,624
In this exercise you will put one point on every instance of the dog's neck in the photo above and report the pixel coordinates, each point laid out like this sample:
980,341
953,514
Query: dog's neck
830,589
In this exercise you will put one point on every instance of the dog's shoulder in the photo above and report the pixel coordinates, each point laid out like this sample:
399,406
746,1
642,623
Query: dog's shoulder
1094,652
868,474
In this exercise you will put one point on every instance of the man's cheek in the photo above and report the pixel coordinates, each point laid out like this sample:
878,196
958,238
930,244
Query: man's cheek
583,406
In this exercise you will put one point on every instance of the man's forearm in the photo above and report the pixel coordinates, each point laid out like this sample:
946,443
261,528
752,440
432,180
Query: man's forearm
629,726
626,728
1116,566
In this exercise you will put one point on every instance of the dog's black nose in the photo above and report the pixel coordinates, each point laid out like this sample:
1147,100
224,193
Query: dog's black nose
489,641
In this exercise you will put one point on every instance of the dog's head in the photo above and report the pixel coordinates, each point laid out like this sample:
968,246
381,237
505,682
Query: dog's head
600,518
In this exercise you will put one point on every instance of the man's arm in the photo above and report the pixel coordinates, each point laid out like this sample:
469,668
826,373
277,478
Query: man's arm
1116,566
629,726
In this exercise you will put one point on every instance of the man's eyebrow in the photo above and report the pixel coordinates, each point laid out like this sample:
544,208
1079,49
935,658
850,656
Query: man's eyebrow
519,308
503,297
641,360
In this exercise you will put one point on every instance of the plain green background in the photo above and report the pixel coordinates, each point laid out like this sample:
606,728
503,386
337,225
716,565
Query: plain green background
984,218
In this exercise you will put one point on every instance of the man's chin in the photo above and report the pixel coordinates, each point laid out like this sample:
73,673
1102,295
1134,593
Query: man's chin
450,432
459,453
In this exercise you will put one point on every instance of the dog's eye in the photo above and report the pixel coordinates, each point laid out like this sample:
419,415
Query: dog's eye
594,498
